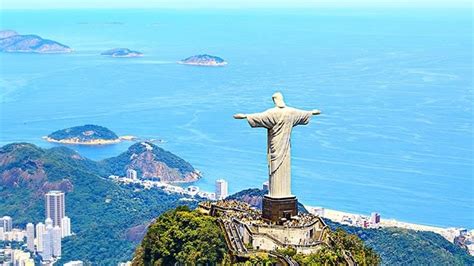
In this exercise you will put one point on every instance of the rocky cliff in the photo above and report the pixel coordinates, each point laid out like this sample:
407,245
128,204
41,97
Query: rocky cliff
151,161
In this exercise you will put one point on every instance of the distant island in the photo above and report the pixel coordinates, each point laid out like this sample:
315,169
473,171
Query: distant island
86,135
203,60
12,42
122,52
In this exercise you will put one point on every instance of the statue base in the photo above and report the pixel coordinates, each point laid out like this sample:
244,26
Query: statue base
274,209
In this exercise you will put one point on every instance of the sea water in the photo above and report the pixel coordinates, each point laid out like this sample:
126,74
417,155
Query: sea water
394,87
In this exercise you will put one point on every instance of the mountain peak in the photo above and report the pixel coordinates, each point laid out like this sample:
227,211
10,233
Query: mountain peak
151,161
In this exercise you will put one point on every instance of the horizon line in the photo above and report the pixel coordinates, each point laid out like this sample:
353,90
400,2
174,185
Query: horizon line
469,7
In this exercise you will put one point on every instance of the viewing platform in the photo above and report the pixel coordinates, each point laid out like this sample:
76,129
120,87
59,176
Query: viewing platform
247,230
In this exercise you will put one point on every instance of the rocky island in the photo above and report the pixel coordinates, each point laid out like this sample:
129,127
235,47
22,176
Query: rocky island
203,60
122,52
12,42
85,135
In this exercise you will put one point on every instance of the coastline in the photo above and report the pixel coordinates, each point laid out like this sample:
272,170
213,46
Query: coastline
76,141
449,233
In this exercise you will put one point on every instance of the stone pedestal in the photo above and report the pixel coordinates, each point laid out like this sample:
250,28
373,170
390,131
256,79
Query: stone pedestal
274,209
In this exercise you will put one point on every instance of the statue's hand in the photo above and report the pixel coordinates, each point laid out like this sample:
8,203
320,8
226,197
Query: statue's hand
240,116
316,112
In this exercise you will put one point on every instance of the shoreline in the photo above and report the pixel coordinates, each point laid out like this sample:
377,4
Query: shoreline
76,141
449,233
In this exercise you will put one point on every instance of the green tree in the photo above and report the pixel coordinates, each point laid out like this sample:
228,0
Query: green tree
362,254
182,236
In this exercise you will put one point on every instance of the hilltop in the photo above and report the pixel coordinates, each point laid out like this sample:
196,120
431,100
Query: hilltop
151,161
182,236
12,42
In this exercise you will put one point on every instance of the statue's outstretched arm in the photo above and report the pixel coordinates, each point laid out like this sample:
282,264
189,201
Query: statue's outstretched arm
240,116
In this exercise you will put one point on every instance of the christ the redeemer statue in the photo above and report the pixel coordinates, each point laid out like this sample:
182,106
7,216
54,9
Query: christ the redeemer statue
279,121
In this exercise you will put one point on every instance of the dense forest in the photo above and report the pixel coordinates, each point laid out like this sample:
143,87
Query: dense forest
182,236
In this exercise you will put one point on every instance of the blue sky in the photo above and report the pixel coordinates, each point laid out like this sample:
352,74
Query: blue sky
45,4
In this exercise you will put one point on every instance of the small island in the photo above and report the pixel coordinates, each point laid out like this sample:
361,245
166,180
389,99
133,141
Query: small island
122,52
203,60
12,42
86,135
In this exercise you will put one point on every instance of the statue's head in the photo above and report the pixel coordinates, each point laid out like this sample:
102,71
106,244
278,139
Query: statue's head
278,100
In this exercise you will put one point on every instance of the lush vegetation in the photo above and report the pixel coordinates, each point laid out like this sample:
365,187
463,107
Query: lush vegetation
182,236
397,246
187,237
84,133
103,214
261,258
118,165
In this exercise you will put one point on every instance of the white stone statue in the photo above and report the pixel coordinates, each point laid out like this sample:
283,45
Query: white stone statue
279,122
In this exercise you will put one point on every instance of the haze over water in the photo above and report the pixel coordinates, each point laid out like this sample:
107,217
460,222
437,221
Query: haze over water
394,86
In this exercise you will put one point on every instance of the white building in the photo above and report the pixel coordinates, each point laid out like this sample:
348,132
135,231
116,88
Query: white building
15,235
21,258
7,223
74,263
66,226
55,206
221,189
57,235
265,185
2,234
48,222
30,237
39,237
47,253
132,174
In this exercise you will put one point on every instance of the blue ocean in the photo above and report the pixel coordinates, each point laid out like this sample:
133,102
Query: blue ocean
394,87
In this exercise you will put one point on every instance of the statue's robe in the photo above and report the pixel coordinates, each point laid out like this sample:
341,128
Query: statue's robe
279,122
